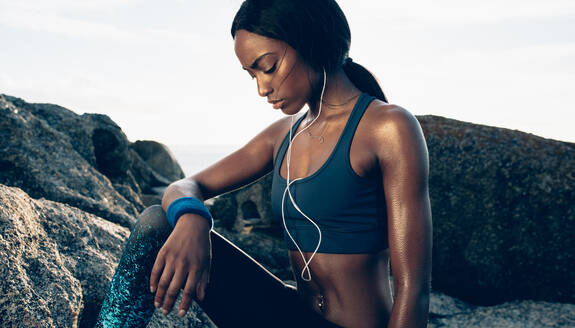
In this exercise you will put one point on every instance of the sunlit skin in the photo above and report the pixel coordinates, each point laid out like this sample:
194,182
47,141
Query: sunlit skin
355,288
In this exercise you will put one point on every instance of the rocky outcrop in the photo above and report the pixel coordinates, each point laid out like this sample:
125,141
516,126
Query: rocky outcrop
503,213
445,311
159,158
246,206
57,264
73,177
502,206
81,160
57,261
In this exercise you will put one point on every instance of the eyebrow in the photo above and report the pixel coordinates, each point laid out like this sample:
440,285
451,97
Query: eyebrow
255,64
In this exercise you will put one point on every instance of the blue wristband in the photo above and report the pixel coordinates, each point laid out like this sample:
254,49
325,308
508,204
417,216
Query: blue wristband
185,205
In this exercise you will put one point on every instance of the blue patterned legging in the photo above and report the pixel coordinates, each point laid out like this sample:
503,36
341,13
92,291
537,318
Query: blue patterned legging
241,292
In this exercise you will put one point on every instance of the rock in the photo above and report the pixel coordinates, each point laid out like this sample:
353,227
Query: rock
57,264
502,206
151,199
250,205
446,311
81,160
57,261
503,214
268,250
195,318
42,160
224,211
159,158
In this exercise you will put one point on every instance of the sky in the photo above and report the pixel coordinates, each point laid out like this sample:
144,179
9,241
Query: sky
166,70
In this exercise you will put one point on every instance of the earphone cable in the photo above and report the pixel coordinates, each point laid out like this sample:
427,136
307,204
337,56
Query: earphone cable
288,191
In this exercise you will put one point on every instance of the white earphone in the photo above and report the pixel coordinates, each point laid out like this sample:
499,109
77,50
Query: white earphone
288,191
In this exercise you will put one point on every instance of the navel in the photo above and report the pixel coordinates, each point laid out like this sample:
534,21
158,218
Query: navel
320,303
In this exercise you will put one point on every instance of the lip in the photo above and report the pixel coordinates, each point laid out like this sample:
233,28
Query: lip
277,104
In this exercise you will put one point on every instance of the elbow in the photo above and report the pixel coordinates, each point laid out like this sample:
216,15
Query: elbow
186,187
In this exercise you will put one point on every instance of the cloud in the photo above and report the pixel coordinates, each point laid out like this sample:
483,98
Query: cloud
50,17
453,12
5,81
61,5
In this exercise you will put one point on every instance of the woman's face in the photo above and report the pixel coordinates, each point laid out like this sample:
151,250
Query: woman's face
282,76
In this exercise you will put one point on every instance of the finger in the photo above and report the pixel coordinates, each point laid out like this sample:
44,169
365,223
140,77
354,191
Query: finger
178,281
187,295
203,284
163,285
157,271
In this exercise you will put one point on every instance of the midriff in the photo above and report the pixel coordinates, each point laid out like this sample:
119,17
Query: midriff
351,290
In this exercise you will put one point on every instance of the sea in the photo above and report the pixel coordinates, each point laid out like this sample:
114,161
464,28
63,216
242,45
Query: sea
194,158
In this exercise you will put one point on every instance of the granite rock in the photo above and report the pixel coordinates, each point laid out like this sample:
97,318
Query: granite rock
57,261
159,157
503,213
502,206
57,264
81,160
248,206
445,311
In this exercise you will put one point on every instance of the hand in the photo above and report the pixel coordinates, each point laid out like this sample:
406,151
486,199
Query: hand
183,261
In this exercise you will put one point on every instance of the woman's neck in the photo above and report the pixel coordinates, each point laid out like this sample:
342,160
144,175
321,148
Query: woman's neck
339,94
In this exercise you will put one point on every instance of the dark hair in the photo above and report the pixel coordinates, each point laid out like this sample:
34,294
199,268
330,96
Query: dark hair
316,29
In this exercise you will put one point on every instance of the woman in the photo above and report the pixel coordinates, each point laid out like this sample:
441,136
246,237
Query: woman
349,186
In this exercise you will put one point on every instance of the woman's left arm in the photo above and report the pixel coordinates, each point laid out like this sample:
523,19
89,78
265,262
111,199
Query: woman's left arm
403,159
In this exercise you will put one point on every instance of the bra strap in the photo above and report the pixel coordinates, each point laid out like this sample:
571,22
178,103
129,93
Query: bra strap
353,121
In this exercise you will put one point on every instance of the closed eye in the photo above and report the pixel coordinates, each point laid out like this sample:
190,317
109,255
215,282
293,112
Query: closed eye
272,69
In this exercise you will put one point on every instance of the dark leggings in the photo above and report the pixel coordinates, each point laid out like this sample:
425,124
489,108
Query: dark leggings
241,292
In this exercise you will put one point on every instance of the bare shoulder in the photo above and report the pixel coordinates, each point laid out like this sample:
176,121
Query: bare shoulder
393,129
386,122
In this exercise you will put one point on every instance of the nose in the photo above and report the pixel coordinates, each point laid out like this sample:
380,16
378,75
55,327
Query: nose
264,88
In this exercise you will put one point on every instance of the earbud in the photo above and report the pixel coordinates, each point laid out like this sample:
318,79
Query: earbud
288,191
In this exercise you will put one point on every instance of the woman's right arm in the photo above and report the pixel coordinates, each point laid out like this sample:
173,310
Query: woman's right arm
176,266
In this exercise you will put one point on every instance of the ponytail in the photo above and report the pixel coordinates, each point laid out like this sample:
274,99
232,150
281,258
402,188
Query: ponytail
363,79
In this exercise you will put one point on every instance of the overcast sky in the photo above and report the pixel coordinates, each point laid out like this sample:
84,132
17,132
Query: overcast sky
166,70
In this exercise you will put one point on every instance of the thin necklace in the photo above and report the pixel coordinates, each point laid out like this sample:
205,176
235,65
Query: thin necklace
343,103
320,136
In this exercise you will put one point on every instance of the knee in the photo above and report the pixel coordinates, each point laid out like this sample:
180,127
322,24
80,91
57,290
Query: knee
153,217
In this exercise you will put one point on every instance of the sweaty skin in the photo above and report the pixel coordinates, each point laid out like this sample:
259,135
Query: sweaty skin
351,290
354,288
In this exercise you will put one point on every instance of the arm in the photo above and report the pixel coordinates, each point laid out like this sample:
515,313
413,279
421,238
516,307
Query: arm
403,160
242,167
176,266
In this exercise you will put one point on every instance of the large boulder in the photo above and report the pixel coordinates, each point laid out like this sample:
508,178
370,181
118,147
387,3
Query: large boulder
445,311
159,157
81,160
57,261
248,206
57,264
502,206
503,213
